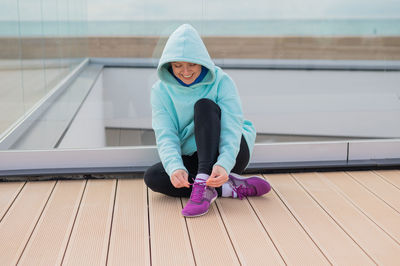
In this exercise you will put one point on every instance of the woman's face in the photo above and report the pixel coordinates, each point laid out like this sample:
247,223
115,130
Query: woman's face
186,71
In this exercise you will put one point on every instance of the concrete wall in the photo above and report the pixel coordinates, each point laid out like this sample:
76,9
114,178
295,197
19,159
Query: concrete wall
299,102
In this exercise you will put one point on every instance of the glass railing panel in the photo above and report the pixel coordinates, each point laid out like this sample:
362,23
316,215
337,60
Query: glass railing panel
32,52
72,20
11,92
325,72
41,43
54,68
314,71
77,38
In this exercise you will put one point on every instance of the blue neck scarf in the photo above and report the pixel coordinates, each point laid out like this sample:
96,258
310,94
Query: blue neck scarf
203,73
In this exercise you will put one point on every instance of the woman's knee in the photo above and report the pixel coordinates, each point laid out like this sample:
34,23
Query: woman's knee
242,158
152,176
205,105
158,180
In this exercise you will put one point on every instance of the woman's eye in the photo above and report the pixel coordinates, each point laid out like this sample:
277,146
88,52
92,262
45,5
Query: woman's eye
177,65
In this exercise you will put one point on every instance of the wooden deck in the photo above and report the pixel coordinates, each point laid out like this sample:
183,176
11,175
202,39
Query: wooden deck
338,218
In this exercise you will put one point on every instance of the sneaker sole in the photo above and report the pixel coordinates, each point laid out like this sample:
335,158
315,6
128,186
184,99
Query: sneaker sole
201,214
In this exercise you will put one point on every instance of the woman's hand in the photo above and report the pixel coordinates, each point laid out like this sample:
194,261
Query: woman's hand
179,178
218,177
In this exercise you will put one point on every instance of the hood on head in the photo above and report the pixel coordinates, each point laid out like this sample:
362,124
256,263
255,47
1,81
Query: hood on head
185,44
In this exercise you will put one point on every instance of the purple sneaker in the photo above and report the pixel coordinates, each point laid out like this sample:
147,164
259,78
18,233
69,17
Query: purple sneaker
248,186
200,200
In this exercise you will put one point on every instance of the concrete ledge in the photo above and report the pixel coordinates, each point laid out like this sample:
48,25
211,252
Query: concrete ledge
137,172
325,166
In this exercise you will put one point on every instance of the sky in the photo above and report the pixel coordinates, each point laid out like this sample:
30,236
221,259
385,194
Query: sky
239,9
197,9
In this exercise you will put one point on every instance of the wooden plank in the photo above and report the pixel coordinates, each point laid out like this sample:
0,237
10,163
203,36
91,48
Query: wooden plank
379,246
380,187
210,241
8,192
391,176
88,244
129,243
49,240
293,243
170,244
19,222
251,241
337,246
373,207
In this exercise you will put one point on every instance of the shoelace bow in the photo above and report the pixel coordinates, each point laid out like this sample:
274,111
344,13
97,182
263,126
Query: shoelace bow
242,191
197,191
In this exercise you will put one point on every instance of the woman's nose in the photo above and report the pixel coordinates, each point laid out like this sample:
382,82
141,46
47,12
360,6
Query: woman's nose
186,70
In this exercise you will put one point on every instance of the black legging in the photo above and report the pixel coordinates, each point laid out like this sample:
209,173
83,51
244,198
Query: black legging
207,128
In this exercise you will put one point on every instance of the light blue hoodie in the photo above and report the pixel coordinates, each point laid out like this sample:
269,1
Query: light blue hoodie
173,104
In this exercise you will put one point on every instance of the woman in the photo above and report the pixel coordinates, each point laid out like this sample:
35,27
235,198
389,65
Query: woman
200,131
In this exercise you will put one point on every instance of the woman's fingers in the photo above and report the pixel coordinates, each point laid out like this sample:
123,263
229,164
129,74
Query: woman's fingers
217,181
179,179
175,182
180,184
218,176
183,181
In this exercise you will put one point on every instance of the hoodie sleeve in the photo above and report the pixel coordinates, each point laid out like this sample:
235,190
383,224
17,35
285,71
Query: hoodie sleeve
166,131
231,123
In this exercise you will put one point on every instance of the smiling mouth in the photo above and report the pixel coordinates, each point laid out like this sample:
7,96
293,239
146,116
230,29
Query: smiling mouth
187,77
